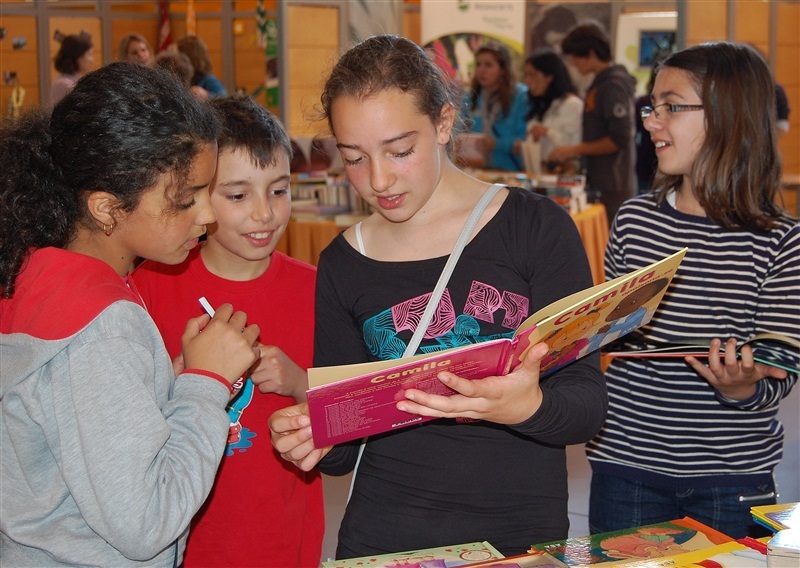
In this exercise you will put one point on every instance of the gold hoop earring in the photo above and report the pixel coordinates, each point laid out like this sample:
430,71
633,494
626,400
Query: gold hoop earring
108,230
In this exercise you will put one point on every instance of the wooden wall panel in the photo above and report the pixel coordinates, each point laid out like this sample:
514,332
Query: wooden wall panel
751,24
787,73
25,61
311,55
412,26
706,21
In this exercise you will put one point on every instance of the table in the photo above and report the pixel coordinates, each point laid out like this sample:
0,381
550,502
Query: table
305,237
790,190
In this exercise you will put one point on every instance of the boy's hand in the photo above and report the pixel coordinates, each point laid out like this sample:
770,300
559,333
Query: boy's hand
276,373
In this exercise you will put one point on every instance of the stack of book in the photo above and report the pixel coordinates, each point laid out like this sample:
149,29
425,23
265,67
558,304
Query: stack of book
567,191
319,194
783,549
680,543
777,517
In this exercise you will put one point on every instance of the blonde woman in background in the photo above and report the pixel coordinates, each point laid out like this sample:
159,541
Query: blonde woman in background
134,48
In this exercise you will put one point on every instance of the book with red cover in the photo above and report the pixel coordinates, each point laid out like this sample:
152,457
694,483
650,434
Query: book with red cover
348,402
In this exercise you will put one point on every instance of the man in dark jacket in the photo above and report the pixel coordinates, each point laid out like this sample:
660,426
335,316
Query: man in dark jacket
608,118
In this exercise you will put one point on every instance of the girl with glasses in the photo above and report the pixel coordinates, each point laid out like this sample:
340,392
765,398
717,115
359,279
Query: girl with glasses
696,437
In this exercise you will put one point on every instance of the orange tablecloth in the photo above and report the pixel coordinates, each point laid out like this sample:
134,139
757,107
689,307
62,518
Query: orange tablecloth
593,226
304,239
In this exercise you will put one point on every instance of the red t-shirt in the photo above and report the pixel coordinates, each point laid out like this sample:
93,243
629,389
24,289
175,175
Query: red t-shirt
262,511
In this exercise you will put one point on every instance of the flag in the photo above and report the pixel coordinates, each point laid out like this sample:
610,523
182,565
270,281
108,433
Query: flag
164,28
191,19
261,25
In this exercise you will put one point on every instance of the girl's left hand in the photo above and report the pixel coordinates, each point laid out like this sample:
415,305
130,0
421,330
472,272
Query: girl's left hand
504,400
734,377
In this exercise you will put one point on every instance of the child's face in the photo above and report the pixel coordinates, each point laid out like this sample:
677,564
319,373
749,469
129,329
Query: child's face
253,207
678,136
159,230
392,153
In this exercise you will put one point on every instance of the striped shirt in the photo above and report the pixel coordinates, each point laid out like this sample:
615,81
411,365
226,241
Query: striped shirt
666,425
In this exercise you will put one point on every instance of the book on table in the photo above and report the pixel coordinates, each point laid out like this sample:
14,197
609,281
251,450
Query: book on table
777,517
348,402
439,557
636,544
774,349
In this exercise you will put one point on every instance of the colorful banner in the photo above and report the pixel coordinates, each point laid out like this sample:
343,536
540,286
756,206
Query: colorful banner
453,31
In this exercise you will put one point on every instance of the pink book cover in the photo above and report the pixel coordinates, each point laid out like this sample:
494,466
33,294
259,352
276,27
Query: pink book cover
348,402
366,405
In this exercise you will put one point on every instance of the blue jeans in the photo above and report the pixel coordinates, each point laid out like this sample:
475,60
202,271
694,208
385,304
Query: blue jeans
616,503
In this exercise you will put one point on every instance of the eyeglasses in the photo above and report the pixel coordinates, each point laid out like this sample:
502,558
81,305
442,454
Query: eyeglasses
647,110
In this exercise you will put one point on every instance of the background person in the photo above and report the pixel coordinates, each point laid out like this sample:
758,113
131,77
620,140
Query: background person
134,48
197,52
74,59
608,124
556,112
497,107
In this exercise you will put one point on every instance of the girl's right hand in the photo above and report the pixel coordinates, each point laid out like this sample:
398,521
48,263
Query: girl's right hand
291,436
222,344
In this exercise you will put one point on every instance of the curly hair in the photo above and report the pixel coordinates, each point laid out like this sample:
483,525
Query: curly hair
118,130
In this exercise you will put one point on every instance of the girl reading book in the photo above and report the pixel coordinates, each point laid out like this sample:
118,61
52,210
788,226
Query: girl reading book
694,437
104,454
493,467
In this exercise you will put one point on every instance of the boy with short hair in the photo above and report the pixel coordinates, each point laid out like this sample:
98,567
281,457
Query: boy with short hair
260,512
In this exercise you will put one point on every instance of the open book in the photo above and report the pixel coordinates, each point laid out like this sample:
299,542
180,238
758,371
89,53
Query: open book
765,346
347,402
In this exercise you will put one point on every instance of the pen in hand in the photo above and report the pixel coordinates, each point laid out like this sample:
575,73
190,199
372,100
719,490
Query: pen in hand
211,311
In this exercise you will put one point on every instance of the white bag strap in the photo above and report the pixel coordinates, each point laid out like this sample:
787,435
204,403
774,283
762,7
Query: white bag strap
438,290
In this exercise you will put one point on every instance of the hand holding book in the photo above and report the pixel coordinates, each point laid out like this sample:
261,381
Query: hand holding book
508,399
733,367
290,429
733,373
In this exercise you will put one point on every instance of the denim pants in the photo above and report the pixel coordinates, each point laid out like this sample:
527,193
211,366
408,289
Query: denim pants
616,503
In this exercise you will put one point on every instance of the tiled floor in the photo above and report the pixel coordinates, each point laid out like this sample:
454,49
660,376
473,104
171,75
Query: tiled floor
787,476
